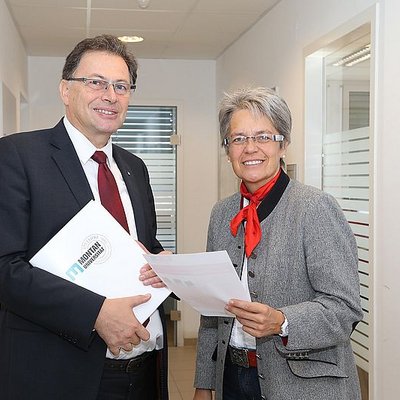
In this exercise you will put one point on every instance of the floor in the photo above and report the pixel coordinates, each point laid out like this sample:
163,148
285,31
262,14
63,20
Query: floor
182,365
181,372
363,376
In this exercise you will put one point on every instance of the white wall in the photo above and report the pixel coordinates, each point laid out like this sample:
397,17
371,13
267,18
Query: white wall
386,357
13,65
45,105
190,85
272,54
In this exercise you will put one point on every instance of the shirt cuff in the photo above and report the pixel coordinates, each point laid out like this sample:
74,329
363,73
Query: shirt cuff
284,328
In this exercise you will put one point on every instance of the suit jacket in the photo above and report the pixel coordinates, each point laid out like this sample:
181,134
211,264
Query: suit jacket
306,266
47,347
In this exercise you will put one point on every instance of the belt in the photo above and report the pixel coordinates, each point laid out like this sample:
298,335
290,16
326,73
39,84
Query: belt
130,365
243,357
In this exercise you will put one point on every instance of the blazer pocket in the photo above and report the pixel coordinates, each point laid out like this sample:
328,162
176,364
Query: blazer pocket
312,363
312,368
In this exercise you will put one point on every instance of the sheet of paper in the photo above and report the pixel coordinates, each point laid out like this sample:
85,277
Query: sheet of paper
93,250
206,281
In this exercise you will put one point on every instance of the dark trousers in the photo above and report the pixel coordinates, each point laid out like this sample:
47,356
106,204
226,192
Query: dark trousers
240,383
138,383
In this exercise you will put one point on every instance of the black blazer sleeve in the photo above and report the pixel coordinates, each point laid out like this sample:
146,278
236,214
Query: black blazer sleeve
37,198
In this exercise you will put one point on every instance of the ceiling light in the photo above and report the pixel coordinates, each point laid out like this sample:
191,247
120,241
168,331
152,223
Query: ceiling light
354,58
358,60
143,3
130,39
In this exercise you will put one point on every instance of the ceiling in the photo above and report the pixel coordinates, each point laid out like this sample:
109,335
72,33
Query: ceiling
177,29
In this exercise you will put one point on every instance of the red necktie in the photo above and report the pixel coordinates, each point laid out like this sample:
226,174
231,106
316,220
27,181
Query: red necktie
108,190
249,214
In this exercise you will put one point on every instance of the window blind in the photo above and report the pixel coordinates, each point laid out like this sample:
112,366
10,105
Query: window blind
346,176
146,133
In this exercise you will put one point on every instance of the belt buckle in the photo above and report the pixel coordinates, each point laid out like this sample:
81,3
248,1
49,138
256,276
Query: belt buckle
132,364
239,357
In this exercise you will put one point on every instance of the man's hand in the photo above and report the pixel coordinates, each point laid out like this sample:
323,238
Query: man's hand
117,325
149,277
258,319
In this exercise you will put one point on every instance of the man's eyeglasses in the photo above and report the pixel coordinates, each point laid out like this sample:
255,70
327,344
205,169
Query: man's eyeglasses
262,138
121,88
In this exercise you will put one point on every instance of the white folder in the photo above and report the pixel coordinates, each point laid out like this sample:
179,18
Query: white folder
93,250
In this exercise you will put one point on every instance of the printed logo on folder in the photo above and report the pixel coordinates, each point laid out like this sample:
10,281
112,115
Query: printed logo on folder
96,249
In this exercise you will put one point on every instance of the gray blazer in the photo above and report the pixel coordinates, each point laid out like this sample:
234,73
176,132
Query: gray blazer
305,265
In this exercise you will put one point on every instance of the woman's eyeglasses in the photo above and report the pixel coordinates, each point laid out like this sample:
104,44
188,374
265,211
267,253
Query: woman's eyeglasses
262,138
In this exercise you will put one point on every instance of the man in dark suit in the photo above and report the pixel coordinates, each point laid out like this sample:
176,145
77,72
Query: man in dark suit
59,341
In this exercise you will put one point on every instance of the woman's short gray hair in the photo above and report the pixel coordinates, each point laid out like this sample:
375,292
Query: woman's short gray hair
259,101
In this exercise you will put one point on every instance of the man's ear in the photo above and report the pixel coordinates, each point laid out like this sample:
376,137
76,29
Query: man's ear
64,87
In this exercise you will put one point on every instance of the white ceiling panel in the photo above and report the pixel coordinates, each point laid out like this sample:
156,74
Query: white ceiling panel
214,24
137,20
56,18
187,29
49,3
235,6
60,46
155,5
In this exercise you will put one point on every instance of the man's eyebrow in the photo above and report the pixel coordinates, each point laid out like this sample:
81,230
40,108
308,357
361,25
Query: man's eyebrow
98,76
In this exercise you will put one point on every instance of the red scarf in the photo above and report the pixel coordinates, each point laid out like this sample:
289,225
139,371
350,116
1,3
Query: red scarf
249,214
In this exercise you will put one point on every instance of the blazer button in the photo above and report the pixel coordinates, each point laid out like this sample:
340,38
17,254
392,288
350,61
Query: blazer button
235,265
253,255
254,294
251,274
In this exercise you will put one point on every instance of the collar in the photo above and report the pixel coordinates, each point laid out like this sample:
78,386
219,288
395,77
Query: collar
270,201
83,146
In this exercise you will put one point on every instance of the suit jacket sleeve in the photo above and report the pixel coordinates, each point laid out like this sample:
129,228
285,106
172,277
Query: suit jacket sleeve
30,214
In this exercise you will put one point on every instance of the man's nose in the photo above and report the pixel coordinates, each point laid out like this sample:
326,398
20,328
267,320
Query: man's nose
109,93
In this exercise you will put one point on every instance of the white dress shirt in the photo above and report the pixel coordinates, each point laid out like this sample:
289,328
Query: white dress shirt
240,338
85,149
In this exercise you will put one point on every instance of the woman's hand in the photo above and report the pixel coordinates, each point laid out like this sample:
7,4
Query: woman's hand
258,319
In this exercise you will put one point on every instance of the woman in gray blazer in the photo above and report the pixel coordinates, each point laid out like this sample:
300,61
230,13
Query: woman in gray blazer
295,252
